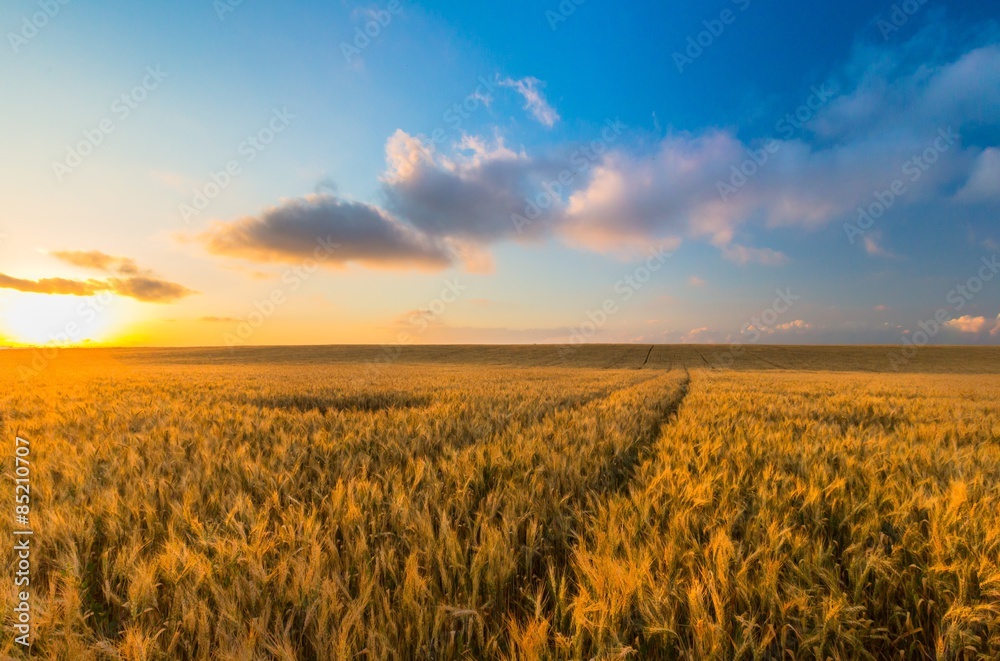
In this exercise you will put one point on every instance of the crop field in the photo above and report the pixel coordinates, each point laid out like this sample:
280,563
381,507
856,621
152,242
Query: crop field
599,502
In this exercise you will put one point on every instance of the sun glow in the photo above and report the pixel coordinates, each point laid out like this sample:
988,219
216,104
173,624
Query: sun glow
64,320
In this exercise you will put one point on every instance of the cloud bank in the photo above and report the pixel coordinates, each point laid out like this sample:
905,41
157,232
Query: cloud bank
882,135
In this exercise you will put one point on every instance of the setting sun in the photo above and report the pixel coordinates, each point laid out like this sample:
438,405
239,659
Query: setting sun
65,320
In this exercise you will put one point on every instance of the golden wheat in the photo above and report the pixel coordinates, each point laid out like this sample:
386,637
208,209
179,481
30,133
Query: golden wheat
290,509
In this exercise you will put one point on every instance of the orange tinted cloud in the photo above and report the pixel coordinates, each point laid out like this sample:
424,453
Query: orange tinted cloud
141,288
967,324
94,259
127,279
52,286
148,289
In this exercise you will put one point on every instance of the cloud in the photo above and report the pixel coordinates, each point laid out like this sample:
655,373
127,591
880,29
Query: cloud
296,229
873,247
745,255
792,332
629,199
142,288
984,182
797,325
789,327
437,209
125,278
219,320
472,196
534,100
148,289
702,335
60,286
967,324
975,325
695,281
861,140
98,261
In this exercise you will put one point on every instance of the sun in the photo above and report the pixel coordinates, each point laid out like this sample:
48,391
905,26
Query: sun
46,319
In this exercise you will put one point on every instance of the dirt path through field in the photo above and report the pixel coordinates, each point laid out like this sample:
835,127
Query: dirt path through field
636,454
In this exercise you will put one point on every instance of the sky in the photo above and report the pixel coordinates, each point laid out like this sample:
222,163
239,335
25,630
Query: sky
226,172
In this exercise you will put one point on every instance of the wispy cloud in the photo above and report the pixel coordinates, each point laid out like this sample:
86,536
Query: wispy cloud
745,255
534,100
146,289
60,286
124,278
873,245
96,260
984,181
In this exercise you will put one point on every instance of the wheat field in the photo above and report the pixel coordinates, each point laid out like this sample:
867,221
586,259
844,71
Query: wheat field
597,502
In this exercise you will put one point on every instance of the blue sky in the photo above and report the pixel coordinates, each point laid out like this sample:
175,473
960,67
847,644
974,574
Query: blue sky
630,122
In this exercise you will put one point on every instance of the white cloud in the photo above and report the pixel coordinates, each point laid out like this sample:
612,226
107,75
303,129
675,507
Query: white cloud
984,182
796,325
534,100
873,246
703,335
745,255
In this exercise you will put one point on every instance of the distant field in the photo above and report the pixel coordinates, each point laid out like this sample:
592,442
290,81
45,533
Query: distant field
509,502
947,360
